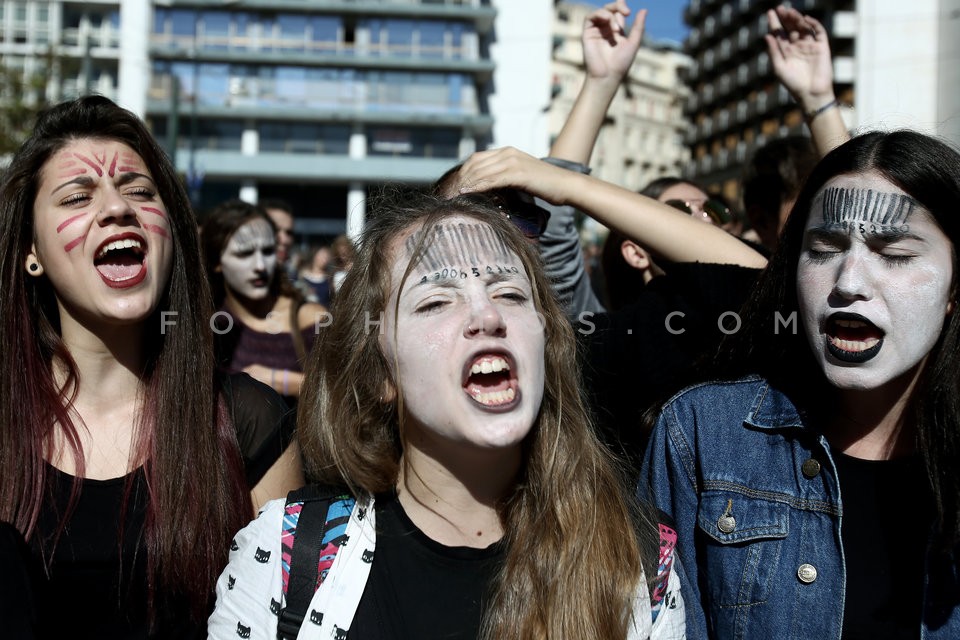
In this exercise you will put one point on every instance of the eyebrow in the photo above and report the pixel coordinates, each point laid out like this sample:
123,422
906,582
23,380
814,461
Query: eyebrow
123,179
887,236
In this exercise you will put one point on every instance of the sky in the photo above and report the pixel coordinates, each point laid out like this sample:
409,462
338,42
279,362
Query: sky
664,17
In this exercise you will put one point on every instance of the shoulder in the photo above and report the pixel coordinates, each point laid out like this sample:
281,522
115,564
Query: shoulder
309,314
740,391
247,397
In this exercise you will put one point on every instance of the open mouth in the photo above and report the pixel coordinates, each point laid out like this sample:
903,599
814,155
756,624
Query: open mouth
852,338
121,260
491,383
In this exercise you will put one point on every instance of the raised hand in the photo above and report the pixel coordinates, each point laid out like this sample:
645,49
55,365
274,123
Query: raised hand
800,53
608,51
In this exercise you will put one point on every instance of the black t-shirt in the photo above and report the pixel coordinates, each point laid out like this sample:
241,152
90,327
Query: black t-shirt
887,516
419,588
638,355
96,582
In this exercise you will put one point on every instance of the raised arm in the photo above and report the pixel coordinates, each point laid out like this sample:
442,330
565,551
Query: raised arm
800,53
660,228
608,52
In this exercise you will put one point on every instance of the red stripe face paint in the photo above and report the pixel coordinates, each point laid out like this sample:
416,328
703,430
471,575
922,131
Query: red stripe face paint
102,233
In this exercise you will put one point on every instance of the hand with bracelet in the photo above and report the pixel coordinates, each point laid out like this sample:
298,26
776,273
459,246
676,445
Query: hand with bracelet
800,53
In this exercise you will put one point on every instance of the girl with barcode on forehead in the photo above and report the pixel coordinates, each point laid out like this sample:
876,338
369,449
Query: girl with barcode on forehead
814,484
443,400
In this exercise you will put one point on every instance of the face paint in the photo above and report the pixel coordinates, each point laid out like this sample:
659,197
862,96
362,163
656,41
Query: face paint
249,260
873,281
467,340
92,233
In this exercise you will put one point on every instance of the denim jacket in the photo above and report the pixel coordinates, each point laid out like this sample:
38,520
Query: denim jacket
757,506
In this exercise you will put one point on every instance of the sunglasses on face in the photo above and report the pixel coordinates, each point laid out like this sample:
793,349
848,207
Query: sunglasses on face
521,209
712,210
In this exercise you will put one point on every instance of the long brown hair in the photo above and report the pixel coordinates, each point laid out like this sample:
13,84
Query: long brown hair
568,504
193,472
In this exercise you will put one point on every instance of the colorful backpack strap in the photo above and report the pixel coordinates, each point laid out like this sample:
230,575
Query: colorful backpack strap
316,519
668,544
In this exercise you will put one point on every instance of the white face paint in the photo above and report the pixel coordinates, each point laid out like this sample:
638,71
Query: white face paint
249,260
873,281
467,339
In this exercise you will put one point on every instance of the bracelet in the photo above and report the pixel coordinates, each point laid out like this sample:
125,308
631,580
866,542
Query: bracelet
285,372
810,115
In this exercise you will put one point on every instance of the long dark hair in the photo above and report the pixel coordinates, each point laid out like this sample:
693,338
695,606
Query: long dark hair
192,467
929,171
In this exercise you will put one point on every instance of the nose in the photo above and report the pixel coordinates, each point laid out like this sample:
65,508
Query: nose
259,263
115,209
854,281
485,319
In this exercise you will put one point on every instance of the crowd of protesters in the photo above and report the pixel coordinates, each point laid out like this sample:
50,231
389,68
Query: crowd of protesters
748,428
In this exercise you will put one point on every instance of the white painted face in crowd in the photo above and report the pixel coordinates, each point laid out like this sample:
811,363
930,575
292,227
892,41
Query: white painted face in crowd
874,281
466,338
249,260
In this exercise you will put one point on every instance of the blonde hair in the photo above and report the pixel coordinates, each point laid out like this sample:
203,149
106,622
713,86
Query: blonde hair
573,540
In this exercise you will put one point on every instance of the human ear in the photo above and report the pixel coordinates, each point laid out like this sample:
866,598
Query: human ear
32,263
634,255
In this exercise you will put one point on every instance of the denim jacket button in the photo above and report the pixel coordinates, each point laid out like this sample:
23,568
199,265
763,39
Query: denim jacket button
727,524
810,468
807,573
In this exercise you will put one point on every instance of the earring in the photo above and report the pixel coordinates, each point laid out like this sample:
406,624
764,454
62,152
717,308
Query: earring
34,266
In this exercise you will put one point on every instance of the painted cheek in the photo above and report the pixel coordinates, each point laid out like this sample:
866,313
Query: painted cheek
155,221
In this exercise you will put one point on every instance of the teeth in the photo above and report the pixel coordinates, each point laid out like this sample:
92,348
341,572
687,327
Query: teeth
120,244
494,398
490,366
854,346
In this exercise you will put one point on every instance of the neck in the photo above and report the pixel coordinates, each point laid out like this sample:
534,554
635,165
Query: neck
455,502
249,310
869,424
109,363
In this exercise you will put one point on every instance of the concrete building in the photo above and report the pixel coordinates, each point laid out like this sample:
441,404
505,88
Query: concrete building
643,137
894,66
312,102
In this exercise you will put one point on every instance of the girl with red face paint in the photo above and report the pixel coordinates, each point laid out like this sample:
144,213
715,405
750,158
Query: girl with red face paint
125,460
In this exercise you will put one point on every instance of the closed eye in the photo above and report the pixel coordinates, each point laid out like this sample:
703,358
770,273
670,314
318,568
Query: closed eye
430,305
75,198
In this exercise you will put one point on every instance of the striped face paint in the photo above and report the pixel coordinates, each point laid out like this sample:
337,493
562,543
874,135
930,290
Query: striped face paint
101,225
874,282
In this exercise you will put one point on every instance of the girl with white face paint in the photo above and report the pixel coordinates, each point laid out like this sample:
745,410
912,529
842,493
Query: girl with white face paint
444,398
815,487
264,326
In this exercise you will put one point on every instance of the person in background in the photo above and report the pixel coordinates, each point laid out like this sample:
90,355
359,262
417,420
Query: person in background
343,255
267,328
458,426
770,184
126,461
315,276
281,213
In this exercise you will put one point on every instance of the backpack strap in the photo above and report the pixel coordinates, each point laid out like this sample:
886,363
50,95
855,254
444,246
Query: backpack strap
312,515
659,597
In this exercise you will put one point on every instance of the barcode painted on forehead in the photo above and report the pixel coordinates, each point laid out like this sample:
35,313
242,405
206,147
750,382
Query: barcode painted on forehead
460,243
866,205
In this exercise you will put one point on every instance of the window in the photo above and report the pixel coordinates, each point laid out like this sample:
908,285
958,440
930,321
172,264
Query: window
415,142
295,137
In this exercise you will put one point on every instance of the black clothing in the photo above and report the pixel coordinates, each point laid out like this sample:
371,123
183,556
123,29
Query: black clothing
96,585
17,609
419,588
887,514
638,355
